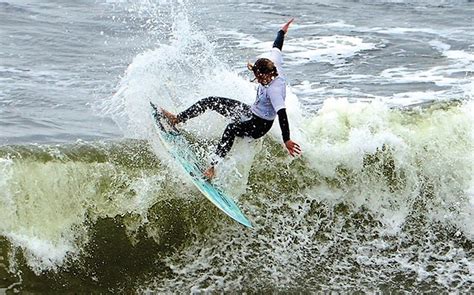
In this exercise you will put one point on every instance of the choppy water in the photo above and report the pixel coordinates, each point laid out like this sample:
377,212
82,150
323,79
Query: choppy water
380,98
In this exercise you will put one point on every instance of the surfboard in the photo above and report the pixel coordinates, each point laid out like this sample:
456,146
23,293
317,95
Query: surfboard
180,150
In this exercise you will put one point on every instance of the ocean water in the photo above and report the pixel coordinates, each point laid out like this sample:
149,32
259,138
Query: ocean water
380,97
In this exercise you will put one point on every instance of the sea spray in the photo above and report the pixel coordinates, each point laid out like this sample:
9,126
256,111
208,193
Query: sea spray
174,76
48,202
368,146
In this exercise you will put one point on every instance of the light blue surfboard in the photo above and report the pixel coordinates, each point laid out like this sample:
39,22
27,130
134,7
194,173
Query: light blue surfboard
179,148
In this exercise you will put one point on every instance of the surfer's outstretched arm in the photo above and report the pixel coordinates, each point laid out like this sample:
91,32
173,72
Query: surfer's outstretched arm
292,147
278,43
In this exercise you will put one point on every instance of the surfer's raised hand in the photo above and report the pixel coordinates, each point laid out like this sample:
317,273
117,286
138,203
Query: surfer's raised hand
293,148
287,25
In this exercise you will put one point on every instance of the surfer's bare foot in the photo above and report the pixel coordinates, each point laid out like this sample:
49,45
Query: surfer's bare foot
210,172
172,118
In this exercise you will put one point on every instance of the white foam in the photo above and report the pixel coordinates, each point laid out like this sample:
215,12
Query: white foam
401,30
344,133
417,97
460,55
440,46
439,75
41,254
333,49
310,92
6,173
336,24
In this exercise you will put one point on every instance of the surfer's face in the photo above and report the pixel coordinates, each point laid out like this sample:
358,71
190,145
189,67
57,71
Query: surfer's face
264,70
264,79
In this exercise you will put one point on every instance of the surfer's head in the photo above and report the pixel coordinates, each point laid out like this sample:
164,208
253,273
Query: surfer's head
264,70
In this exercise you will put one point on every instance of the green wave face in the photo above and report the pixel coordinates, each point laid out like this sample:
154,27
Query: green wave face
380,200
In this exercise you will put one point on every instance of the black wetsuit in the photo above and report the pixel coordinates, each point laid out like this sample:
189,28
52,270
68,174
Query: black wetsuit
251,125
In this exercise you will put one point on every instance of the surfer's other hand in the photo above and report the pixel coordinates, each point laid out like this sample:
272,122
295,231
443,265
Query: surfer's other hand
210,172
293,148
285,27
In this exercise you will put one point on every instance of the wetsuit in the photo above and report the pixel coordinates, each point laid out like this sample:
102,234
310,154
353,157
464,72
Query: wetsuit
255,120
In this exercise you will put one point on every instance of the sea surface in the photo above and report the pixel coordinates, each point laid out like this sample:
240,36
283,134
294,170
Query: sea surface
379,96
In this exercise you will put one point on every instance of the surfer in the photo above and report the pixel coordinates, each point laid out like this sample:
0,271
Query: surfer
250,120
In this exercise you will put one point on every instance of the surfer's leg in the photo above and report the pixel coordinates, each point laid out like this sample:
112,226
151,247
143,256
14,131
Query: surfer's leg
225,106
260,127
227,141
255,128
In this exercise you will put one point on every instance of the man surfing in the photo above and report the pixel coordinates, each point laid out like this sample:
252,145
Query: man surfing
250,120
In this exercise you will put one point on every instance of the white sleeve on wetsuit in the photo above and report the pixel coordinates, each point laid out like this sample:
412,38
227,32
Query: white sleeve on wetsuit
277,93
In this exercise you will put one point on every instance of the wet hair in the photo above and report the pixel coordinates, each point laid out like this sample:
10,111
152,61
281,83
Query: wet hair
263,66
